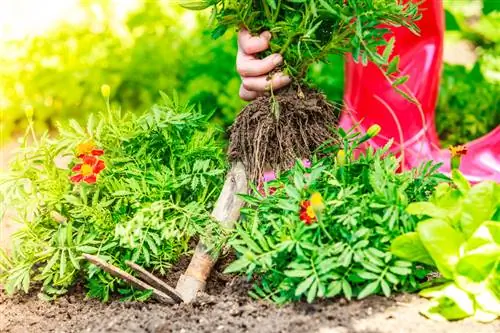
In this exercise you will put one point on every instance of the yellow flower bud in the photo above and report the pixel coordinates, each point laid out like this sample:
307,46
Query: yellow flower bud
373,131
340,157
105,90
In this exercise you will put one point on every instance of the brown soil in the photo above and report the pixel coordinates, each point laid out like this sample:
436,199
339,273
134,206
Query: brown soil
271,133
224,308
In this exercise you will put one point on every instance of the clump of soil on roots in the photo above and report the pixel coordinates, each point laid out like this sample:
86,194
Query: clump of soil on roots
272,132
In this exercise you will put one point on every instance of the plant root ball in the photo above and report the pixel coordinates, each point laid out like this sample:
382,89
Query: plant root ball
272,132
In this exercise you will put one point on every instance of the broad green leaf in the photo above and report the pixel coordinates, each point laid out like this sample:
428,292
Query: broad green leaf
460,181
479,205
473,271
449,302
443,244
487,234
427,209
410,247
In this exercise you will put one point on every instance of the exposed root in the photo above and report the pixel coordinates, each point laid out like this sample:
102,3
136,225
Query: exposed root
272,132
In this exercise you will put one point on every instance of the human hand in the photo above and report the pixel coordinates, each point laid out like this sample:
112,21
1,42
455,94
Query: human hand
254,71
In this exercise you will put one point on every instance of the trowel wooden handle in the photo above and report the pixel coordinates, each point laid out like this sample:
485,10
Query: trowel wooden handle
226,212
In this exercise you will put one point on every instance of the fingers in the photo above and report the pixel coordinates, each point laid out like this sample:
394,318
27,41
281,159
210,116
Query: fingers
249,44
250,66
247,95
263,84
253,71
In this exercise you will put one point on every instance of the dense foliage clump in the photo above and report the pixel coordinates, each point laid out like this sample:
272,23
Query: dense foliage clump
124,187
307,31
325,230
468,107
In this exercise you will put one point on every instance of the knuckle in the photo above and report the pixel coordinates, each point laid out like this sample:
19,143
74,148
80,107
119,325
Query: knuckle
246,83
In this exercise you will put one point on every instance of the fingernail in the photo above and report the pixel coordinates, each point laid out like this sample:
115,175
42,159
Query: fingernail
284,78
267,35
277,59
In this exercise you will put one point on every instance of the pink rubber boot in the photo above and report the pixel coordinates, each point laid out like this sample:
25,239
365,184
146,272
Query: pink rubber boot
370,99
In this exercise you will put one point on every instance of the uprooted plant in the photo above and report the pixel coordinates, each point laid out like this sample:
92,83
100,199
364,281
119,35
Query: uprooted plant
292,123
124,187
325,229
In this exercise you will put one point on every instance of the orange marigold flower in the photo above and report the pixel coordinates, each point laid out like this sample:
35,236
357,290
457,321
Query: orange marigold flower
457,151
306,212
88,148
88,170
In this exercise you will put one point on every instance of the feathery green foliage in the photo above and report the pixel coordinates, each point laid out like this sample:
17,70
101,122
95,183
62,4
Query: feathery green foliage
163,173
307,31
345,251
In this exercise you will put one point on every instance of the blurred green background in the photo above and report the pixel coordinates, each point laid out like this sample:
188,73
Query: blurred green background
154,45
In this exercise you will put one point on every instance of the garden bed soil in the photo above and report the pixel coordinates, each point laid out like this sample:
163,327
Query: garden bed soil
224,308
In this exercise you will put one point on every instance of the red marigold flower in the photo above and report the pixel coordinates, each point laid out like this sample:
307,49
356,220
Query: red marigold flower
88,170
306,212
459,150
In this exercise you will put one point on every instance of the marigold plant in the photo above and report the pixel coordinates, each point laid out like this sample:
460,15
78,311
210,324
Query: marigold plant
326,228
123,187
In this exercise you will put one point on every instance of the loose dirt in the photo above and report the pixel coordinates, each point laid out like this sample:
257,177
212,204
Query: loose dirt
224,308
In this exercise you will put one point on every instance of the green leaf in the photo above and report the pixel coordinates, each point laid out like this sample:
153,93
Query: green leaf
427,209
450,302
443,244
368,275
346,288
298,273
451,21
334,289
393,66
385,288
388,49
460,181
237,266
311,295
400,81
479,205
409,247
304,285
369,289
490,6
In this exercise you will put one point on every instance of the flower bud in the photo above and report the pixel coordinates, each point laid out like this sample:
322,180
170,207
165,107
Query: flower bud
373,131
105,90
196,4
456,155
340,159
